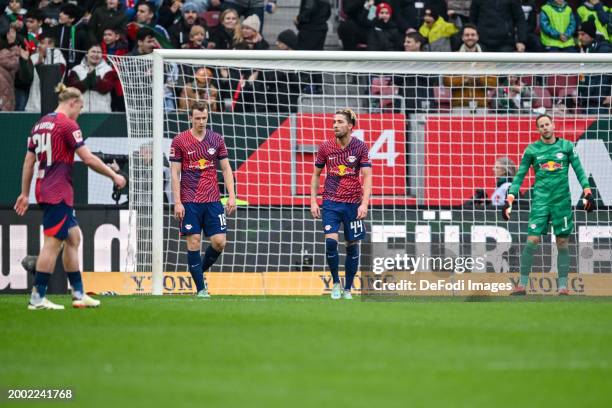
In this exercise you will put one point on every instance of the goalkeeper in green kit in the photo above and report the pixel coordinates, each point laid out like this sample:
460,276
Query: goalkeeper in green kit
550,157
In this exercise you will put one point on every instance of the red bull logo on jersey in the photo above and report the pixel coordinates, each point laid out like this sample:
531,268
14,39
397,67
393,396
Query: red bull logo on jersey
343,170
551,166
199,164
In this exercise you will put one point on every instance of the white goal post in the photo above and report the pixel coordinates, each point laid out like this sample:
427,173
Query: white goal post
356,65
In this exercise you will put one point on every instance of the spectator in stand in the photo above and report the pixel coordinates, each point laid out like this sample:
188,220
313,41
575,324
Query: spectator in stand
201,89
414,42
501,25
532,41
437,31
71,34
179,32
280,90
33,22
383,34
197,38
408,14
228,32
596,11
557,27
23,77
14,15
512,96
51,13
114,44
113,15
145,42
170,13
251,38
417,90
352,30
470,38
287,40
245,8
470,92
95,79
311,23
46,53
594,90
145,16
10,50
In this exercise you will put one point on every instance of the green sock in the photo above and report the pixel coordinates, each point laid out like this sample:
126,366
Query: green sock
563,261
527,261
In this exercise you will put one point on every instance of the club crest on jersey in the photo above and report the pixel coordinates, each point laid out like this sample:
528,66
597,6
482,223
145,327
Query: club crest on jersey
551,166
352,159
211,150
559,155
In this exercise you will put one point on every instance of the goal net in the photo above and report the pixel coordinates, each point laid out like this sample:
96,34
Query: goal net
446,134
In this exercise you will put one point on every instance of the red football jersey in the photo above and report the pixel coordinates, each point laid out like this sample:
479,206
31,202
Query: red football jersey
54,139
342,183
199,161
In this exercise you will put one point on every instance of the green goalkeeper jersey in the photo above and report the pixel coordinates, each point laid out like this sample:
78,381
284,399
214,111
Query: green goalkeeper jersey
551,164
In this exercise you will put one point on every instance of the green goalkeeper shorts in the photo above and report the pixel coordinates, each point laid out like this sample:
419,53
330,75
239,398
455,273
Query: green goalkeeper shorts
560,216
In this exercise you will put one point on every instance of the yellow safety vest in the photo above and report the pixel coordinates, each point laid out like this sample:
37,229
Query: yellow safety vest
585,13
559,21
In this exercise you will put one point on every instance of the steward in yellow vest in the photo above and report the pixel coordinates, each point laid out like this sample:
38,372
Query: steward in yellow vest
557,26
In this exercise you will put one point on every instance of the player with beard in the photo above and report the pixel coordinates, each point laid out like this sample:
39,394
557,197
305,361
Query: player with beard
345,201
550,157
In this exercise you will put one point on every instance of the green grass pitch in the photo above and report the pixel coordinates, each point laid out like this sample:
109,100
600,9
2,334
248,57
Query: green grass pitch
312,352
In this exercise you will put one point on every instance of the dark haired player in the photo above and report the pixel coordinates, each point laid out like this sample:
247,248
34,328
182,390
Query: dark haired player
344,200
550,157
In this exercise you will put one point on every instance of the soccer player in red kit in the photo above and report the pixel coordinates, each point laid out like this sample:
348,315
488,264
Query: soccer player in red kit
194,156
53,141
344,200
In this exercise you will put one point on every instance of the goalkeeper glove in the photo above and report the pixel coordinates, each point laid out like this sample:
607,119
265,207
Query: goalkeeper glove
507,209
588,202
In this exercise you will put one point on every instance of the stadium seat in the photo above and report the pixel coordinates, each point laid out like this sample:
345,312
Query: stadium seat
560,83
443,97
383,86
528,80
542,98
211,18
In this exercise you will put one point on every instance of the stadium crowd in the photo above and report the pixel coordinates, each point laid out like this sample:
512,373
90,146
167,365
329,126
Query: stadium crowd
79,35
